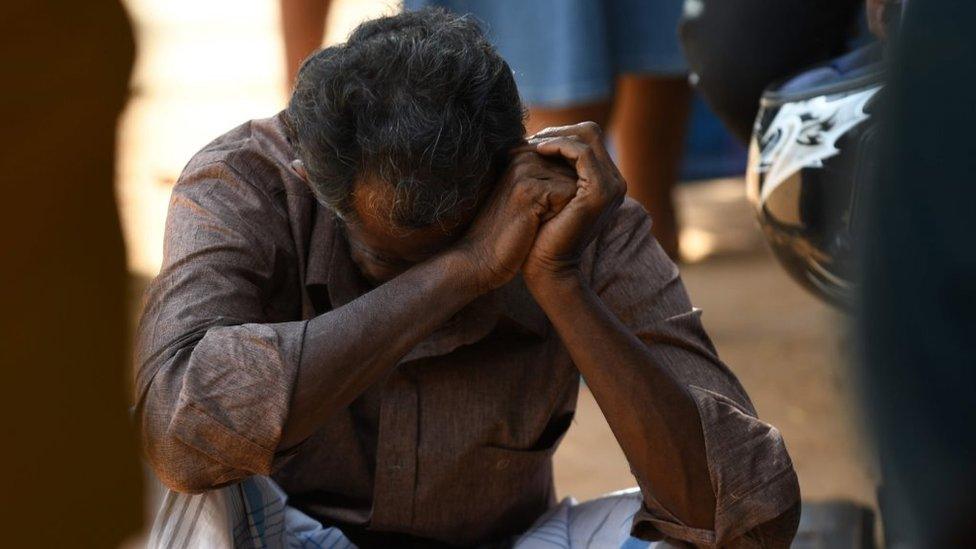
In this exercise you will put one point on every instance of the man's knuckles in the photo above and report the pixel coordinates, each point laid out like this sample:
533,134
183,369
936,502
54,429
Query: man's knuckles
590,131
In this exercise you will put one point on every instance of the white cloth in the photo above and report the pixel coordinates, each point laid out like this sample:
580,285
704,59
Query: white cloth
255,513
598,523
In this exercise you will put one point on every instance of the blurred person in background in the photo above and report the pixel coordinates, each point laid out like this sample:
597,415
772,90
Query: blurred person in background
302,28
72,475
919,280
374,312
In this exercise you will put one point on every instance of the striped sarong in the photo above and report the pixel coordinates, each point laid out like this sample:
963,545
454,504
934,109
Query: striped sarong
255,514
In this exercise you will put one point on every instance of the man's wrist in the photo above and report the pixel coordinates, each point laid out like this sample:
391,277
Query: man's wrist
550,285
465,276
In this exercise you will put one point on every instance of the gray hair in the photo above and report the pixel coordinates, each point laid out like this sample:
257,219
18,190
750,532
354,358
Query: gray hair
419,100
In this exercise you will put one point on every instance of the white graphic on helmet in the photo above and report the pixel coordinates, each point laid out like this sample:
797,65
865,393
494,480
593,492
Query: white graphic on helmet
804,134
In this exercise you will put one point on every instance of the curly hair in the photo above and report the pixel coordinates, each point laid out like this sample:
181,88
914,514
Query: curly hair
420,101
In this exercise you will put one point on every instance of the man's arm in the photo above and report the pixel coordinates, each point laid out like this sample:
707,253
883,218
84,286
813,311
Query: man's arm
669,401
350,348
223,391
649,408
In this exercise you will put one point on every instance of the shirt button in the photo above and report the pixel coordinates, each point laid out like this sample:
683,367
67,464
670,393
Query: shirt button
502,464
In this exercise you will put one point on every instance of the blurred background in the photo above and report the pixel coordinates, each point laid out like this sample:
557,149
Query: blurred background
205,67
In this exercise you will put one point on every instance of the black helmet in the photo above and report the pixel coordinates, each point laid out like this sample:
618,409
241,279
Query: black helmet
808,163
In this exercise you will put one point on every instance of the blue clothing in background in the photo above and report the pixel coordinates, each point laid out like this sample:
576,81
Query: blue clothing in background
710,150
569,52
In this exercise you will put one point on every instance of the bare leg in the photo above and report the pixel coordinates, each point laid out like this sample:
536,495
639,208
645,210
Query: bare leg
649,120
540,118
302,26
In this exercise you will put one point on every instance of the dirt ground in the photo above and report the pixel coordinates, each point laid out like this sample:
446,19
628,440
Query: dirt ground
204,68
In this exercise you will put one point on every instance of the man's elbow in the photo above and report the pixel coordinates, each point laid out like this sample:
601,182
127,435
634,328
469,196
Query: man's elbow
184,469
184,482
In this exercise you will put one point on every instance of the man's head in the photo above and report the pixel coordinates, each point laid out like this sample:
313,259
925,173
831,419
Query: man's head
404,129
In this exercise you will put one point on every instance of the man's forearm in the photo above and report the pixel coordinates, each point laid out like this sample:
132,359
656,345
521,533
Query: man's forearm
651,413
350,348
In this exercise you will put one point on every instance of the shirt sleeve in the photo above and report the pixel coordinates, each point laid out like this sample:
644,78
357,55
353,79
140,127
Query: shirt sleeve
752,477
214,375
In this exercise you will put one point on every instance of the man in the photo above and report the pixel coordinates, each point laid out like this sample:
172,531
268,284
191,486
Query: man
384,298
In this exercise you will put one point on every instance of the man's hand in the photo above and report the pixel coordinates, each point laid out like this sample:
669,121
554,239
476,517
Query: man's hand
600,189
645,399
531,191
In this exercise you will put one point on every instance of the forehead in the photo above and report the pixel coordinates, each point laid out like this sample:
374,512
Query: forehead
373,227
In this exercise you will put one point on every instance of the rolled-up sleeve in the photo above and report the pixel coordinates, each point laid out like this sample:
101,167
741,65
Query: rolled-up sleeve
752,477
215,373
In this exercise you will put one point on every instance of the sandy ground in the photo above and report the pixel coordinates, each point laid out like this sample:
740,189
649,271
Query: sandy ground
206,67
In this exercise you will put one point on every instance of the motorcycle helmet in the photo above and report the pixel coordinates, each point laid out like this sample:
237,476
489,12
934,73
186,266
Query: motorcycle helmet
810,159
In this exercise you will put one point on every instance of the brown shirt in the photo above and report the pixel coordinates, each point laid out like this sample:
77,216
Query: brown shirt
456,443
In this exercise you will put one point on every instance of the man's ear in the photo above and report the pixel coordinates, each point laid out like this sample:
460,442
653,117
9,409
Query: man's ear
876,17
298,167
